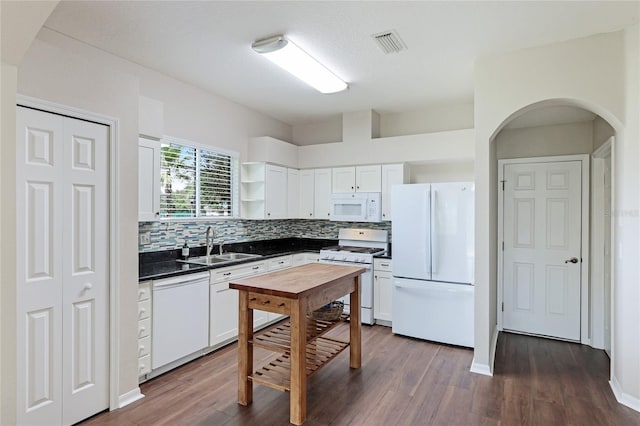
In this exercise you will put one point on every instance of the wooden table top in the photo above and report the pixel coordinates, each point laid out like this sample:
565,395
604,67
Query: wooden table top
297,282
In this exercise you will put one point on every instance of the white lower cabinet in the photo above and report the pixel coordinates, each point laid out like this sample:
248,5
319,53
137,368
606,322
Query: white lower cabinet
144,328
223,301
276,264
382,291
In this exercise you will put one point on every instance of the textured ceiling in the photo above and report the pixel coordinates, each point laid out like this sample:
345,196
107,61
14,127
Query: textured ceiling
207,44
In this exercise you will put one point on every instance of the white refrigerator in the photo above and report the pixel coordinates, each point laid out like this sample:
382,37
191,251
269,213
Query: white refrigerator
433,261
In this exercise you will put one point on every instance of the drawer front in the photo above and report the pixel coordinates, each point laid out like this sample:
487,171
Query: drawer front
382,264
144,328
280,263
298,259
226,274
144,309
144,291
144,346
144,365
269,303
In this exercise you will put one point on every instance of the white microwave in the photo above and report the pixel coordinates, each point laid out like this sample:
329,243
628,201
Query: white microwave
356,207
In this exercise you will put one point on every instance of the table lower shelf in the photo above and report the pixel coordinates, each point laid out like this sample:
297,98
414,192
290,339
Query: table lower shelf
319,351
277,373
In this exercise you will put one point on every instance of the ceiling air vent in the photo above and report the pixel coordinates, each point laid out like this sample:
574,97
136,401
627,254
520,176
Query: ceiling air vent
389,41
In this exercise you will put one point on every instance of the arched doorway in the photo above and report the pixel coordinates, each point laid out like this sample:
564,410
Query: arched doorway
561,127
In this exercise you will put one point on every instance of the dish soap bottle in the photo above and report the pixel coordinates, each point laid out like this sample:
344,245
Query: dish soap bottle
185,250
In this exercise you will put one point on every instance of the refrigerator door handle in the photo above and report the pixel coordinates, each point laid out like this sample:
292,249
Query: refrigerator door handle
434,231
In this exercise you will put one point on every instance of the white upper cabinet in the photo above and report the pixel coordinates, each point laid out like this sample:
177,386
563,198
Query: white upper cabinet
392,174
276,192
293,193
263,192
343,180
148,180
322,194
356,179
368,178
306,193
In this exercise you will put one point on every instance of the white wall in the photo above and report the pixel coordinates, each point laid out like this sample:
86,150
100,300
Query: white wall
9,84
560,139
438,118
428,120
323,131
587,73
442,147
602,131
459,171
61,70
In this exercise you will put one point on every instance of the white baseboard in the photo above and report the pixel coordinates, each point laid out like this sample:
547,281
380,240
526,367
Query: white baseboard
487,369
129,397
483,369
624,398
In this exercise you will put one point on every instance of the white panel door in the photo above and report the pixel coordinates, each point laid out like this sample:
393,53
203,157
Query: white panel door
276,192
39,210
306,194
542,232
293,193
148,180
223,313
62,258
392,174
452,232
85,368
343,180
322,194
369,178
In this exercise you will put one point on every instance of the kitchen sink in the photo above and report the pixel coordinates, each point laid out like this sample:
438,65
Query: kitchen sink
235,256
216,259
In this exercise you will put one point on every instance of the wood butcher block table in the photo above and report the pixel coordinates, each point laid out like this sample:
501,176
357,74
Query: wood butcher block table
295,292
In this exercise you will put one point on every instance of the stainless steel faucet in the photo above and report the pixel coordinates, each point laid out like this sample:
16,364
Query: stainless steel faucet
221,244
210,235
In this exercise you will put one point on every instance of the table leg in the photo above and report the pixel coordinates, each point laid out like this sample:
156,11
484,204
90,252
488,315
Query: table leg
355,327
298,397
245,349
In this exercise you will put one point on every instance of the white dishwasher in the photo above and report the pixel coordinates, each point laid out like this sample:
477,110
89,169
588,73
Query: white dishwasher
180,317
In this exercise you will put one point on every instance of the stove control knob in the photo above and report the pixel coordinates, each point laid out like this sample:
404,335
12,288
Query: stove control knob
344,257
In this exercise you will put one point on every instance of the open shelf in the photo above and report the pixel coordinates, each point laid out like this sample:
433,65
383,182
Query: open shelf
319,351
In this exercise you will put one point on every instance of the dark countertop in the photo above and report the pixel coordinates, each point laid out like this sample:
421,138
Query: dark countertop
164,264
385,255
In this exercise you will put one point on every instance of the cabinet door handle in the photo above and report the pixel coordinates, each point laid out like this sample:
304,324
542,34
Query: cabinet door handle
384,264
226,274
255,268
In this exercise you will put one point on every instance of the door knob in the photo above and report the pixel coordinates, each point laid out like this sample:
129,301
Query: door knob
572,260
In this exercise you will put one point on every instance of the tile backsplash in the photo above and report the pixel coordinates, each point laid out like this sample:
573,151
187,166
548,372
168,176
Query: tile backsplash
172,235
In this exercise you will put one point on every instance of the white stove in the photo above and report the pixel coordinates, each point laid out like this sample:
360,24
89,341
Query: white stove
358,247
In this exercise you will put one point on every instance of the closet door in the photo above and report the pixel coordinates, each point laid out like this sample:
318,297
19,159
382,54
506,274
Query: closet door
62,278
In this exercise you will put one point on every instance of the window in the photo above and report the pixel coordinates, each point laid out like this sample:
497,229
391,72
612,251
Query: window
197,182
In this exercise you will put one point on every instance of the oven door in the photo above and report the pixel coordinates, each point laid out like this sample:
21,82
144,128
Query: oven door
366,290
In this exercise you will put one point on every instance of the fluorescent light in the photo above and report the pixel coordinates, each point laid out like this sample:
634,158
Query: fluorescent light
291,58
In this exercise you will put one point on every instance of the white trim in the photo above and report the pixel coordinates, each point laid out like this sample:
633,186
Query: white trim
624,398
128,398
487,369
597,243
604,149
186,142
114,227
584,249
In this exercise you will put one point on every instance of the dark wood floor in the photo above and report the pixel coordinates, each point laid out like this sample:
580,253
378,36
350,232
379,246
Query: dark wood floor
402,382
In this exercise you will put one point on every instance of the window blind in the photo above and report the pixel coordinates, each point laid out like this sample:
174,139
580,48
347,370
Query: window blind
196,182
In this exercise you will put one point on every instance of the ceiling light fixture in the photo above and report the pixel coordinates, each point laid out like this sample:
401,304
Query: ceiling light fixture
291,58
